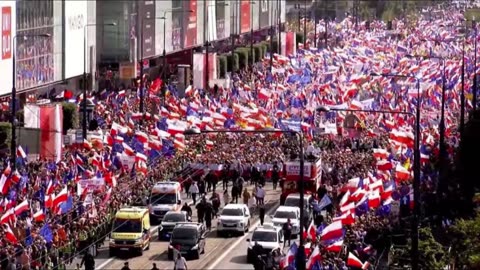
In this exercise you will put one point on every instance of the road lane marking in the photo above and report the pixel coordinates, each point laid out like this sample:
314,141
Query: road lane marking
236,243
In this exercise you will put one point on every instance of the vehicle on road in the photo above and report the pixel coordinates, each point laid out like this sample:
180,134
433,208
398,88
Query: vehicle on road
294,200
312,177
165,196
283,213
268,236
170,220
234,218
188,238
131,231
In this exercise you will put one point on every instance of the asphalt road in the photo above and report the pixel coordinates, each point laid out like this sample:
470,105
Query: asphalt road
215,247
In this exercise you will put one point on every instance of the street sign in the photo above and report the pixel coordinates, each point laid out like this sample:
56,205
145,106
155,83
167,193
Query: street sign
79,136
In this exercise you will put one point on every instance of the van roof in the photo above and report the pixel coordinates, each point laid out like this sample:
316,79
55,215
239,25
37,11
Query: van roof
131,213
167,184
234,206
297,195
166,187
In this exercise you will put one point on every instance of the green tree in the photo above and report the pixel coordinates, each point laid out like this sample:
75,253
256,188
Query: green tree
432,253
464,236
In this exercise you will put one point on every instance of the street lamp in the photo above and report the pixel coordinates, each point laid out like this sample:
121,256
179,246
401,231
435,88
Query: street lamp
13,144
300,257
251,32
164,53
416,179
474,94
207,42
84,101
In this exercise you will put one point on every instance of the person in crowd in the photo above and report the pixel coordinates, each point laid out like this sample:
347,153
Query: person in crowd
194,191
260,193
187,209
226,197
261,214
154,266
246,196
89,261
180,263
287,232
125,266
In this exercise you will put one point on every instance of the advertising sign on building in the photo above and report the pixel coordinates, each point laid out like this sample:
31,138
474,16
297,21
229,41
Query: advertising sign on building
147,12
294,169
178,19
245,17
75,20
7,26
264,13
191,24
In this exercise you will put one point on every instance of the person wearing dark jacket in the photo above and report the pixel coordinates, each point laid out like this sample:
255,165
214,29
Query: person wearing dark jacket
89,261
208,215
125,266
261,214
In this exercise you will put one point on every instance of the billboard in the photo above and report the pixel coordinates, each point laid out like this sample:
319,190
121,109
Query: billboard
7,26
220,19
191,23
177,24
245,17
75,20
264,14
146,10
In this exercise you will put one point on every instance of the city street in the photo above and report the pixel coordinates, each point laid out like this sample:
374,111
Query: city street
215,249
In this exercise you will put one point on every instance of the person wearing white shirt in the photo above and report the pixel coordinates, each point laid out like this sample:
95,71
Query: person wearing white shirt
180,263
260,194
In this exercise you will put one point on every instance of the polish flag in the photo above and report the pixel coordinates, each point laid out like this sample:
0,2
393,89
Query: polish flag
4,184
178,144
380,153
424,158
311,231
175,129
107,196
128,150
314,257
209,144
9,215
16,177
335,247
264,94
358,195
60,197
39,216
347,207
356,105
21,153
401,173
374,200
347,218
137,116
140,156
332,231
384,165
119,139
78,160
142,167
377,185
22,207
345,198
353,261
141,136
387,192
155,144
49,201
10,236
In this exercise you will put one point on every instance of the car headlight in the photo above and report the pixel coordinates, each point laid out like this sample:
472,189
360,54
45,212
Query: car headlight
195,247
112,241
170,247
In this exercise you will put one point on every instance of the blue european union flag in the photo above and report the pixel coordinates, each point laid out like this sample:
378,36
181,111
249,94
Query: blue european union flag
46,233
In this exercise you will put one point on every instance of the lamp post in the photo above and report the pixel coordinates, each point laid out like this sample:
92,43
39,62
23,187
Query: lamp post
251,31
13,143
234,31
272,34
300,257
84,100
305,24
474,94
462,93
416,164
164,53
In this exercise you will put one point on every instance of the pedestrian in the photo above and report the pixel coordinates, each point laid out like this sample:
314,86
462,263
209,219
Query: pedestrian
154,267
89,261
180,263
275,175
235,194
287,232
125,266
193,190
226,198
208,215
246,196
261,214
200,211
260,195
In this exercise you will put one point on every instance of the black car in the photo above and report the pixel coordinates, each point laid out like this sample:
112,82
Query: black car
188,238
169,222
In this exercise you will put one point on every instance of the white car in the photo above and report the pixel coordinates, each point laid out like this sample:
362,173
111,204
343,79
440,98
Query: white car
269,237
284,213
234,218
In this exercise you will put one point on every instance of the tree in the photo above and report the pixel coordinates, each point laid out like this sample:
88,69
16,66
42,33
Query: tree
464,237
432,253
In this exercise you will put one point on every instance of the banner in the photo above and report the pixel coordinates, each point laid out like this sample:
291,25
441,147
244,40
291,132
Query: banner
288,43
245,17
90,185
178,22
7,24
147,12
50,124
199,65
293,169
220,16
191,24
264,13
212,20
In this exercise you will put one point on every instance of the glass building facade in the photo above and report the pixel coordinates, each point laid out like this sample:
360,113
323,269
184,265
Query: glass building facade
39,59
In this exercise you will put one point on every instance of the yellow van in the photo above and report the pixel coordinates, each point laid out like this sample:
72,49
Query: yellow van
131,231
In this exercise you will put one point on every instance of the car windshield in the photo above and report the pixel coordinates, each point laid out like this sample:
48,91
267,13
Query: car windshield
163,198
284,214
232,212
259,236
127,226
174,217
184,234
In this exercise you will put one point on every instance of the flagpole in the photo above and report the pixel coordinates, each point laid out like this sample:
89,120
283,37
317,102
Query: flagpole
474,96
462,93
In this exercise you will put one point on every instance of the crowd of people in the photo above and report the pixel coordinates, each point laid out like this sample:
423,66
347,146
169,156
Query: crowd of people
52,228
